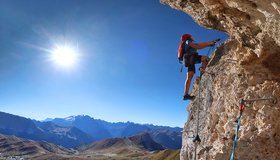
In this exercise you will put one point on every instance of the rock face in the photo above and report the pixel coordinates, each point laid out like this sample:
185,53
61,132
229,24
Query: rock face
246,66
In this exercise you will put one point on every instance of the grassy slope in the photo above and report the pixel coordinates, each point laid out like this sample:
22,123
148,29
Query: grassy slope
167,155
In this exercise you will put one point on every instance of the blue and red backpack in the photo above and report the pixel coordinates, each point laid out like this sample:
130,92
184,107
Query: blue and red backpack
181,49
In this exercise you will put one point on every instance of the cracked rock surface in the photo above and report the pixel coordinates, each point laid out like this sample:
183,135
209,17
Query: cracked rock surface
246,66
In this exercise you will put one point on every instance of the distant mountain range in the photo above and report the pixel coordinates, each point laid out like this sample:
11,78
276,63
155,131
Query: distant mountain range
142,141
14,146
74,131
139,146
135,147
169,137
46,131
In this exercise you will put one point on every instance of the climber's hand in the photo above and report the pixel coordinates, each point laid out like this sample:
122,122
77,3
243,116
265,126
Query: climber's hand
215,41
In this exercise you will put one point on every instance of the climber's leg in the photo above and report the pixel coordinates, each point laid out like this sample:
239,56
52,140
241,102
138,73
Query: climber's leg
191,71
204,60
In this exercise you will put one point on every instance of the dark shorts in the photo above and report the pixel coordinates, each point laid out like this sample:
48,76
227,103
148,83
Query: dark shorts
190,61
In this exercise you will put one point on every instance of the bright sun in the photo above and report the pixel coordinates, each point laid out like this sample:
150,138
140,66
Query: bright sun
64,56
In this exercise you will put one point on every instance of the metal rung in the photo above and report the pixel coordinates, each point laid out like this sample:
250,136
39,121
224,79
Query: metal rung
191,134
201,69
274,100
231,60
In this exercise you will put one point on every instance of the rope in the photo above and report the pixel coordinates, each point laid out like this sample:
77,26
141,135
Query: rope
195,148
210,50
197,138
199,98
242,106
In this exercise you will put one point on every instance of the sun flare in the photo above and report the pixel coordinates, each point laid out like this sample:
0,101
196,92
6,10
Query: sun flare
64,56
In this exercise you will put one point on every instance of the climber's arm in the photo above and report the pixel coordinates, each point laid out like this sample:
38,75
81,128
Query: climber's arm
201,45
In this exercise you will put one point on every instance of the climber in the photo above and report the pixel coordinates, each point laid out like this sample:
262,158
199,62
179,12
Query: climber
190,57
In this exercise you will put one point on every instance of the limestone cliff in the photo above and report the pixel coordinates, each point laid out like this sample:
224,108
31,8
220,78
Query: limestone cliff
247,66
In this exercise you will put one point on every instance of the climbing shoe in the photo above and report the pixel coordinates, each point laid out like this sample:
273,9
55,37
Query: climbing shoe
188,97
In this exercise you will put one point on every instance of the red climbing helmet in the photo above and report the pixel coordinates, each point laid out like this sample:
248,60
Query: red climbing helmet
186,37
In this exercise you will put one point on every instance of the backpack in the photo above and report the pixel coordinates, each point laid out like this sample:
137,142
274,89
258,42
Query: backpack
181,49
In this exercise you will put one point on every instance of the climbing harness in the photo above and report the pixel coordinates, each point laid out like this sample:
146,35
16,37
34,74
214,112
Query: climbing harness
241,109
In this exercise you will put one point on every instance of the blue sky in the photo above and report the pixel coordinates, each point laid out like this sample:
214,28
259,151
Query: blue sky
127,68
